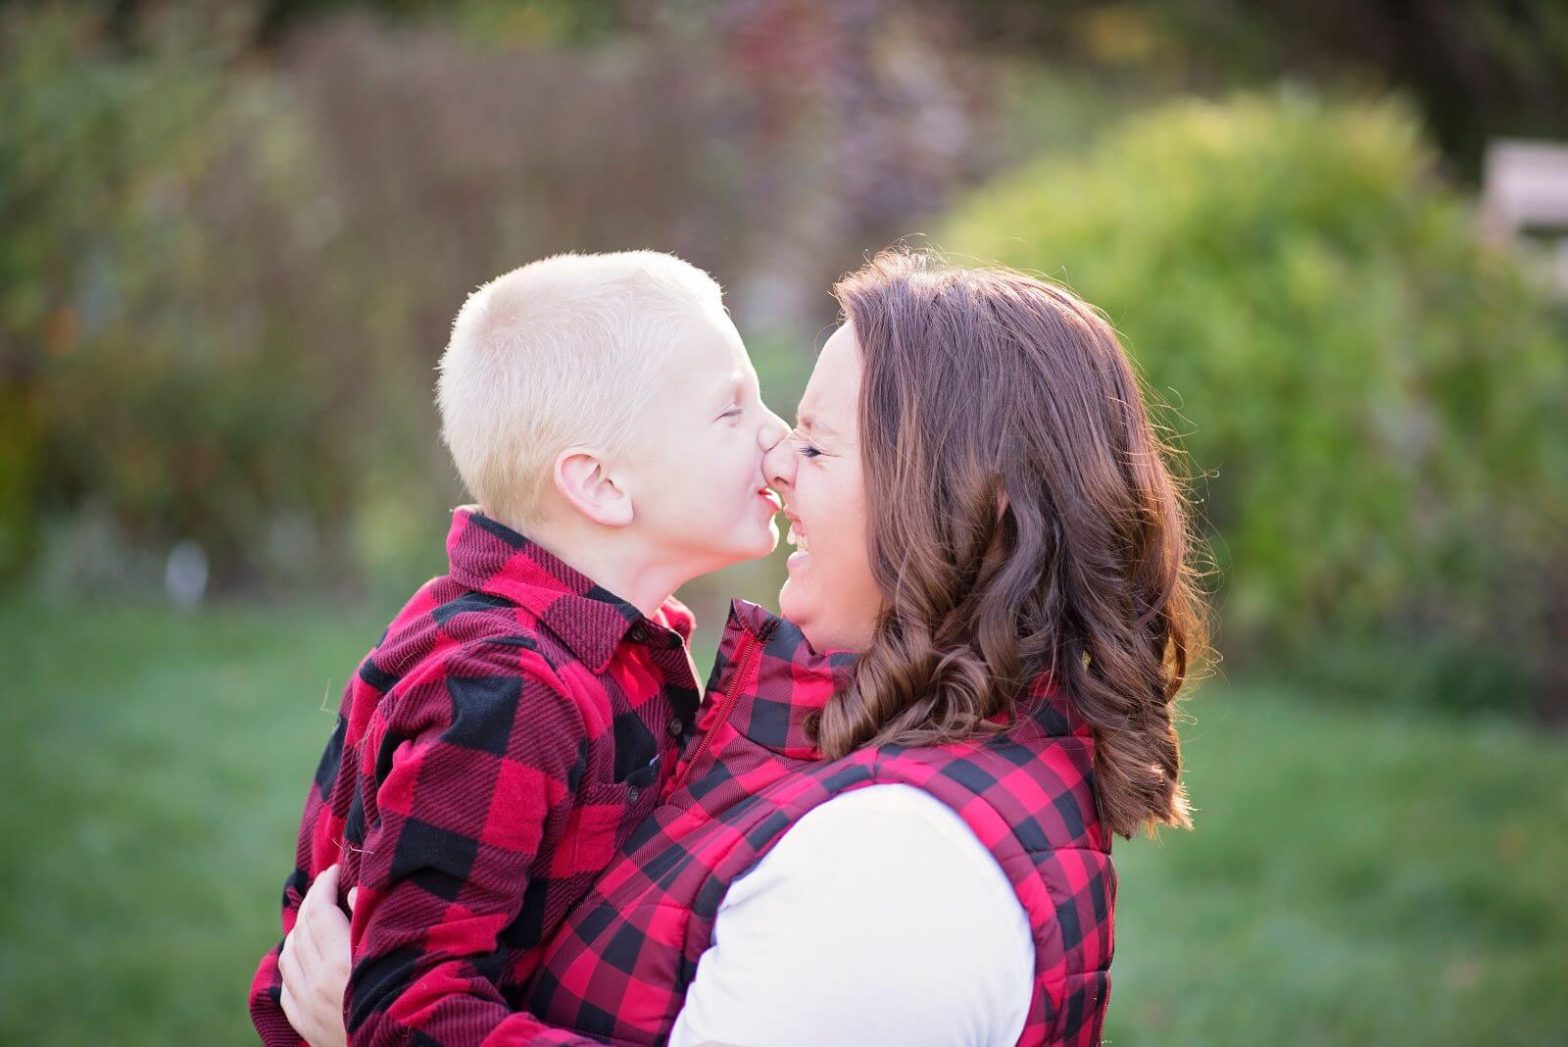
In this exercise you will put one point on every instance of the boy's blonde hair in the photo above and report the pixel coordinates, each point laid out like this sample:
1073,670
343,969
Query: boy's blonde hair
560,352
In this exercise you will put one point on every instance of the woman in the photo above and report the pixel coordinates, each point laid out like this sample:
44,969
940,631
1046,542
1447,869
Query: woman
908,840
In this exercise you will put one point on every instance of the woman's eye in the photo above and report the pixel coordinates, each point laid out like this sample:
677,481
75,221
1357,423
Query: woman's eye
803,446
733,412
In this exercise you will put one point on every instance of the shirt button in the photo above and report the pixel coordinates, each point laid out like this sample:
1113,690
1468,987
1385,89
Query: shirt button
638,634
632,793
676,726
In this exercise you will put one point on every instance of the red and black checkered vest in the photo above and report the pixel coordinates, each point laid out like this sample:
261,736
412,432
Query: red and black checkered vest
620,966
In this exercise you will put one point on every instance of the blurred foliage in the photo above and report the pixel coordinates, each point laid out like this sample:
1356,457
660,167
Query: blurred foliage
229,272
505,23
152,231
235,236
1375,397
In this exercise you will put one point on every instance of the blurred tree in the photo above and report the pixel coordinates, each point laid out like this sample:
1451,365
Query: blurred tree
74,176
1478,69
150,213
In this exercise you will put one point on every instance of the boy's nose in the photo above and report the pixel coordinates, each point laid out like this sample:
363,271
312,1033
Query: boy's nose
779,463
772,431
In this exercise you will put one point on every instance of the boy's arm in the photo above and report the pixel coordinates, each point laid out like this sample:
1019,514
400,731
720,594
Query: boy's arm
266,1007
476,767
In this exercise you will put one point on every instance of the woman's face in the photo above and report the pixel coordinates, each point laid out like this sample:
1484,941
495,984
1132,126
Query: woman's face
830,594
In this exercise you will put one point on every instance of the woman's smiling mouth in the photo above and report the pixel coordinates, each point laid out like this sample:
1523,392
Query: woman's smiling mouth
797,536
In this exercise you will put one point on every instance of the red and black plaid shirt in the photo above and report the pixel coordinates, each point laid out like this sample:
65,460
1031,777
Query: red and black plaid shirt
491,755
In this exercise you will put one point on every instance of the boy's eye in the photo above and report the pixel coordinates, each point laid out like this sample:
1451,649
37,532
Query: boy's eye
733,412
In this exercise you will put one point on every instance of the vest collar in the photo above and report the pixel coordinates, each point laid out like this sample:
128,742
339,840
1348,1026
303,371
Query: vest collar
774,684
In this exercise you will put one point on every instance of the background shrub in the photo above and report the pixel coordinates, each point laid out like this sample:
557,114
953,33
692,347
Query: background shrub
1375,398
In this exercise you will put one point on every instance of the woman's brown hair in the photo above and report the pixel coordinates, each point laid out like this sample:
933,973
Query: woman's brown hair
1023,519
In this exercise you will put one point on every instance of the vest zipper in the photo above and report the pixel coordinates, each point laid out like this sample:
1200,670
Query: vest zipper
727,706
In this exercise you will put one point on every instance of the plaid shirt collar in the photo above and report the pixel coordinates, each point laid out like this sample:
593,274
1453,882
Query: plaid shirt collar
489,557
776,707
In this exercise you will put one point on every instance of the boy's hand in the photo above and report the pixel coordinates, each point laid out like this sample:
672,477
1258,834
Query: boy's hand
315,964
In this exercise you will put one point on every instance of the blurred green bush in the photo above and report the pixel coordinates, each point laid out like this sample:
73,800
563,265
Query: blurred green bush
1375,399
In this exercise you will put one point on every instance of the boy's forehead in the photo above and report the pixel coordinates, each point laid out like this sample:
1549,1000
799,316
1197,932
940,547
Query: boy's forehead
709,354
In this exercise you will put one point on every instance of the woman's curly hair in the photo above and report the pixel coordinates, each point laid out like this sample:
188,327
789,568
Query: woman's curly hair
1023,520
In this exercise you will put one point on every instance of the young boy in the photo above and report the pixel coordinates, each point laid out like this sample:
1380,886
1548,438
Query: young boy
522,711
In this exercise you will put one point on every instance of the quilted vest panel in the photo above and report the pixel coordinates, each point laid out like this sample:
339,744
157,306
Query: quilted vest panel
620,967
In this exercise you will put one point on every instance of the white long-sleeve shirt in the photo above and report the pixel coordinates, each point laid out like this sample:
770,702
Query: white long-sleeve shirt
879,918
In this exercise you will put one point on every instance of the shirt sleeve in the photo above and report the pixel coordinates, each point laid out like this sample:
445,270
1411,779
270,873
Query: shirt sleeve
475,770
878,918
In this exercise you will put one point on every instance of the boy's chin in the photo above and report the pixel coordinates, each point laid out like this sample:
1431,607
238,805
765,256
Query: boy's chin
743,548
762,543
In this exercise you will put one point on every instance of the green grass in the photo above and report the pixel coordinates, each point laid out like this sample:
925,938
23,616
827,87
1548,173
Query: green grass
1354,877
153,770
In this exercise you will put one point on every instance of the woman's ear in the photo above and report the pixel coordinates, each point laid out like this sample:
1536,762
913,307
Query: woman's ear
585,482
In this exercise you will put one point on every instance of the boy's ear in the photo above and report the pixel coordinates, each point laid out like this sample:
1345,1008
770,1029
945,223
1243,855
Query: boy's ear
583,480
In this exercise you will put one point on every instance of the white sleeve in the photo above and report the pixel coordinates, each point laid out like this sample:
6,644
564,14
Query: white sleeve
879,918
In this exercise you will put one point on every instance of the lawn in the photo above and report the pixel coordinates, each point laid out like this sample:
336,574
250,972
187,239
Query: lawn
1355,877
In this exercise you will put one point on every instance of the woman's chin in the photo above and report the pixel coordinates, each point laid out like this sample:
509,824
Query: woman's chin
791,606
